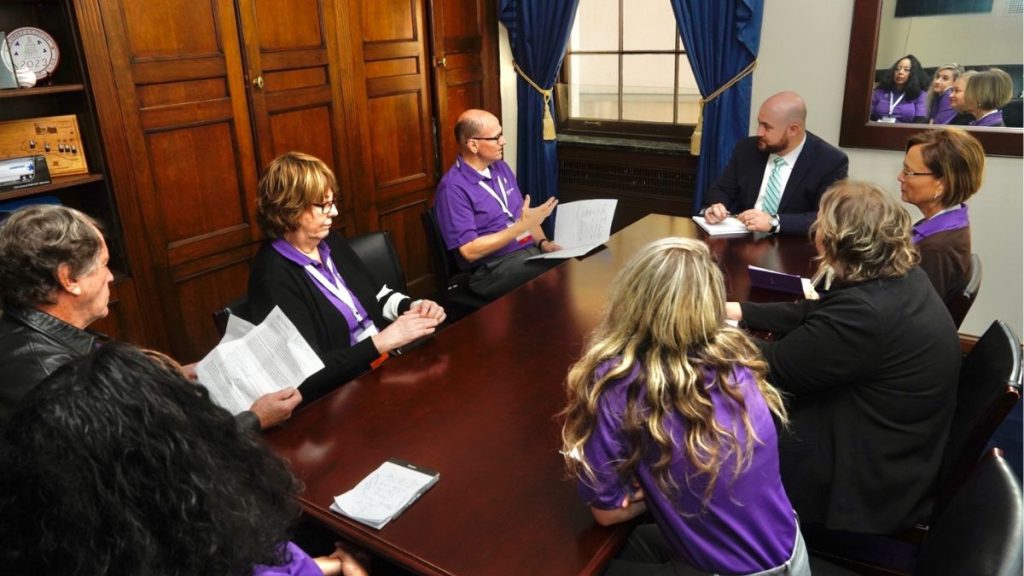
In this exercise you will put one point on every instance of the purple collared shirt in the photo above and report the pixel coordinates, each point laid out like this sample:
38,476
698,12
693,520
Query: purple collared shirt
329,272
993,119
748,525
299,565
942,112
952,220
466,210
905,111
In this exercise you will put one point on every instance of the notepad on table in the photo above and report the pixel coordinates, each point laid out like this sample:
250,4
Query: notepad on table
728,226
772,280
385,493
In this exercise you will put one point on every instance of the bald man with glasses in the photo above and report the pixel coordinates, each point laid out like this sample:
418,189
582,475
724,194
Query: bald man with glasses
483,215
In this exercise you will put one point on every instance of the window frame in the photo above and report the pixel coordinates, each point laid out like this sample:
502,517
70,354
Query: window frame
633,129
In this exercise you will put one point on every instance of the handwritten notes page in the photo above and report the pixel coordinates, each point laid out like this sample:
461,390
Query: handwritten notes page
581,226
385,493
728,226
252,361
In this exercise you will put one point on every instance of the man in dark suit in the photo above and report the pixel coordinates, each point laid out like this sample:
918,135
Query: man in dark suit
774,180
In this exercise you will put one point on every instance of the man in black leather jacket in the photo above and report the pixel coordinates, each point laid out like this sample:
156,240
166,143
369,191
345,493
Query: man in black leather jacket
54,283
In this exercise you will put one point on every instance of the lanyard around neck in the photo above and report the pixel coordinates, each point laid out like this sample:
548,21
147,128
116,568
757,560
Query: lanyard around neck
334,286
501,198
893,105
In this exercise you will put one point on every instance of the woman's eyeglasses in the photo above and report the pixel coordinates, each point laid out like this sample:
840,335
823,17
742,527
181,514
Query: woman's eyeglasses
326,207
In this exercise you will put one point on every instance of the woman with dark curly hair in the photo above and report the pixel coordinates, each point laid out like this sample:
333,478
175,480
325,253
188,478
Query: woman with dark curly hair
117,464
901,96
871,370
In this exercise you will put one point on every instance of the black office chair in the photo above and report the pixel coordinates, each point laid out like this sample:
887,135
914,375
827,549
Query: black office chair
452,288
960,303
989,388
239,307
377,252
979,531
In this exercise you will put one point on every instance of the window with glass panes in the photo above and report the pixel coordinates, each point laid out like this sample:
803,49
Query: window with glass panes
626,71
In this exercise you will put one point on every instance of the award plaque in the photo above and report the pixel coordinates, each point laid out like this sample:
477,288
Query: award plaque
35,49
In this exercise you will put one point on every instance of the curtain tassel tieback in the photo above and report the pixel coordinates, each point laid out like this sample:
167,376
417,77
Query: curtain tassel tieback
548,123
699,130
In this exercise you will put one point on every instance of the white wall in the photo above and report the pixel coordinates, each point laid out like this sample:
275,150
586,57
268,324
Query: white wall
799,53
989,38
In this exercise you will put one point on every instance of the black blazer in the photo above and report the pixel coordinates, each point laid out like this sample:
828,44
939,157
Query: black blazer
871,373
276,281
818,166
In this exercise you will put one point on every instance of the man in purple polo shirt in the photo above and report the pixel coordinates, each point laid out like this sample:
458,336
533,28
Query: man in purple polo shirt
483,216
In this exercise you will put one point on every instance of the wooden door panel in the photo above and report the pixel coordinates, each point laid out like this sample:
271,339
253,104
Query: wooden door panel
288,24
174,28
199,294
400,160
300,130
464,36
391,20
187,123
290,47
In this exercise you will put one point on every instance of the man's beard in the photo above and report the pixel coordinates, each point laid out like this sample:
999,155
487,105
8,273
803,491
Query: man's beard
772,148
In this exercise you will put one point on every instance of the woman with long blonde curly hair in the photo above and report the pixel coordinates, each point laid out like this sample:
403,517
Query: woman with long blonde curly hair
669,410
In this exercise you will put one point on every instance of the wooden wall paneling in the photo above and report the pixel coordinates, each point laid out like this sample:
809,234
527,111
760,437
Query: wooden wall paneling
392,103
464,39
128,322
181,95
292,46
204,285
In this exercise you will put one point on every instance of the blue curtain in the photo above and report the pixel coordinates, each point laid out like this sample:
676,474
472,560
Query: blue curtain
721,39
538,31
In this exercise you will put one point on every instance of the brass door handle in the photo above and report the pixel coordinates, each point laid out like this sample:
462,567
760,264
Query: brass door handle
257,82
442,61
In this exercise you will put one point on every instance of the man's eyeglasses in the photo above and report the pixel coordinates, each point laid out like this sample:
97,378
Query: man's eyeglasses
908,172
492,138
326,207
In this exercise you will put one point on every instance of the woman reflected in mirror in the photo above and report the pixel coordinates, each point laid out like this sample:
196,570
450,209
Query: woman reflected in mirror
979,97
939,109
902,93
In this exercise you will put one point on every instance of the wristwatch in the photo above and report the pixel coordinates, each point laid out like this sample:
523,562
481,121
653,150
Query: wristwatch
775,223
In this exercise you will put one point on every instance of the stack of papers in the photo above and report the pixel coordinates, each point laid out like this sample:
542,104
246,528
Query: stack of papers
728,226
251,361
580,227
385,493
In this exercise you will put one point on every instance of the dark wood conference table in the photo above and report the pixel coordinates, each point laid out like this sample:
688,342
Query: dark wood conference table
477,403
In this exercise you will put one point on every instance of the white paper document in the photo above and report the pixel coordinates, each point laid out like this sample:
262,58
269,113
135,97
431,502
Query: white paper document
580,227
385,493
251,361
728,226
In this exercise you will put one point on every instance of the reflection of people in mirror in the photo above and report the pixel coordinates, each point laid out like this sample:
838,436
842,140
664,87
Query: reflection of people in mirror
978,96
942,169
939,109
901,94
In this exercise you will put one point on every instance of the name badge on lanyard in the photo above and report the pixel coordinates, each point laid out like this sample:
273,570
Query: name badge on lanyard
334,286
502,199
892,108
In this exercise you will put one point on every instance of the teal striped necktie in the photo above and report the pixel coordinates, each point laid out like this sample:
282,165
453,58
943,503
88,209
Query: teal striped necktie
773,192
